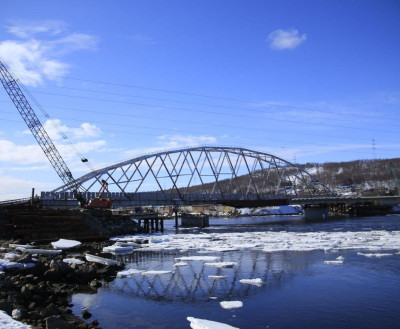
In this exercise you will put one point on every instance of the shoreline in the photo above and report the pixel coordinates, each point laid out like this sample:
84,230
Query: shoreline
37,290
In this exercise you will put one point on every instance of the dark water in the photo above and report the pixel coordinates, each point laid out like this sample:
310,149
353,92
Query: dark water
298,291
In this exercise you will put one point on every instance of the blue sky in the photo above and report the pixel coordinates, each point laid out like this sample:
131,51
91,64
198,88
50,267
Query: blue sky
310,81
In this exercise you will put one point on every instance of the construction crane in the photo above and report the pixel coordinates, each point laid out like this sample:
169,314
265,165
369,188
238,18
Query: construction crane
13,89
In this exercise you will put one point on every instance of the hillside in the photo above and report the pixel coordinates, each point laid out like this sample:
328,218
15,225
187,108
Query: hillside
361,176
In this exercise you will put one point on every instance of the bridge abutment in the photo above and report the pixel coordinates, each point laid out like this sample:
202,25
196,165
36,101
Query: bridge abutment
316,212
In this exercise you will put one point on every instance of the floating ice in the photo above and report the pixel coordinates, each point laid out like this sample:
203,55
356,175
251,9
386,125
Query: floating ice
333,262
6,264
65,244
129,272
207,324
338,261
156,272
115,249
42,251
255,282
229,305
221,264
269,241
16,246
374,254
181,264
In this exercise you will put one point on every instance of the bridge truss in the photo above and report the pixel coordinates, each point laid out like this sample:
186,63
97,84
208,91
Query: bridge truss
226,175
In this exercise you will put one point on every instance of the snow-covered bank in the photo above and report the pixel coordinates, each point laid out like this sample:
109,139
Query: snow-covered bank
269,211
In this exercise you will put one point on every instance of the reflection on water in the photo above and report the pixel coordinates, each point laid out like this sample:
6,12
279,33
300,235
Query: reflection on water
198,282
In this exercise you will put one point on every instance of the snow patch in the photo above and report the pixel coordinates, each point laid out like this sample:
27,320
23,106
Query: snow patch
8,322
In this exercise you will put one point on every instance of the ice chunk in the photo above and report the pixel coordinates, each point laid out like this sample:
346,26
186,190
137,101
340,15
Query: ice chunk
378,255
43,251
156,272
256,282
196,323
6,264
181,264
116,249
333,262
65,244
221,264
229,305
126,273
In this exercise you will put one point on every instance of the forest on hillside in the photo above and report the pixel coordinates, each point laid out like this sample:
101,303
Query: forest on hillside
378,173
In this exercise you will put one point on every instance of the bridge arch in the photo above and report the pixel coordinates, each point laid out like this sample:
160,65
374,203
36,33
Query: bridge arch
204,174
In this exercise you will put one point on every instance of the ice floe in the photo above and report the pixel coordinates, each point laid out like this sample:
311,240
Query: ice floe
65,244
196,323
129,272
378,255
337,261
221,264
269,241
117,249
229,305
156,272
255,282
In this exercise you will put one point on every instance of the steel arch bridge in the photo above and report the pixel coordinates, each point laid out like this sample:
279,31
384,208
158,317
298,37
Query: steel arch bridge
233,176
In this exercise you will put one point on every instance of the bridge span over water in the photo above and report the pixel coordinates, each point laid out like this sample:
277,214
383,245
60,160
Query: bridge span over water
232,176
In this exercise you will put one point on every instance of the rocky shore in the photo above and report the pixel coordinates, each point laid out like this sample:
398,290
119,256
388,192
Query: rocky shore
36,289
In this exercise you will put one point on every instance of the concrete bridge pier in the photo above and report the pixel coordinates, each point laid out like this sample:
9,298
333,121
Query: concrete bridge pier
316,212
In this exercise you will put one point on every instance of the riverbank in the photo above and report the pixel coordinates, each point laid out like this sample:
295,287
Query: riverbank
36,289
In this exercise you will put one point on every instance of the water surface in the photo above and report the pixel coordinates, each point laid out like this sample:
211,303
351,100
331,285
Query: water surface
299,290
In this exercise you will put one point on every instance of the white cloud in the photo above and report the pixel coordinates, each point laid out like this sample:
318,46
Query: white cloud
55,129
176,141
169,142
32,59
28,29
285,39
21,154
16,187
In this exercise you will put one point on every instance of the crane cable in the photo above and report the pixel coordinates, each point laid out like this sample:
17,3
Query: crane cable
54,124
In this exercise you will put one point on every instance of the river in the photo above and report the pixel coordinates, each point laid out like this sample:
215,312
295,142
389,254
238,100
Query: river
281,272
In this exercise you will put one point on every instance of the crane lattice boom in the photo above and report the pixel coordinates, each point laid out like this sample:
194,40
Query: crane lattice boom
13,89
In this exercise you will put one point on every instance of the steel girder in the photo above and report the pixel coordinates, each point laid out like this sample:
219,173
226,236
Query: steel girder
228,172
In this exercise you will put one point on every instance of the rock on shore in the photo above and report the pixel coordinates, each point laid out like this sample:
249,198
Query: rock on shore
37,289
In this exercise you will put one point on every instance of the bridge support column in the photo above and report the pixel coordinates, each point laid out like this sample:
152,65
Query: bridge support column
316,212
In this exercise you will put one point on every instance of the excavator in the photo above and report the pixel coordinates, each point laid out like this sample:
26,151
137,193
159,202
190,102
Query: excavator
13,89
